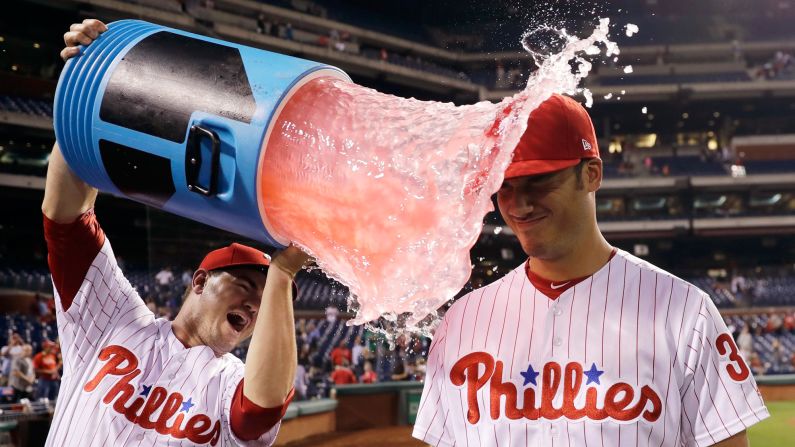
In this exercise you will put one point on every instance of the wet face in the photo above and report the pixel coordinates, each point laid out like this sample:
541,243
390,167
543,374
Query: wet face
549,212
226,306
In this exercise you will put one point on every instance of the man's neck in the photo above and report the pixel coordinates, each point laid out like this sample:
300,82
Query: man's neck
585,259
185,332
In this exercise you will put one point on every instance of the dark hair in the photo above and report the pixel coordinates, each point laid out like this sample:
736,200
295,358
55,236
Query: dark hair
187,290
578,171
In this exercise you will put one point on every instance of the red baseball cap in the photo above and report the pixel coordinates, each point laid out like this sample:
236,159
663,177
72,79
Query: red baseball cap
239,255
235,255
559,134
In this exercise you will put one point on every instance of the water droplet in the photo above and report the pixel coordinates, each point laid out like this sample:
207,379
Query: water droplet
424,210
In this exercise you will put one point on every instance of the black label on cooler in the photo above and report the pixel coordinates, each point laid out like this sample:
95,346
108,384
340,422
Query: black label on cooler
166,77
139,175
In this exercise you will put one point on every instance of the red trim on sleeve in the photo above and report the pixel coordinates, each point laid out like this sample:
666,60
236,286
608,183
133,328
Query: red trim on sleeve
249,421
71,248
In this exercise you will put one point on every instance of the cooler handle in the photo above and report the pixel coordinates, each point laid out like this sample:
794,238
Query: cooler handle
193,160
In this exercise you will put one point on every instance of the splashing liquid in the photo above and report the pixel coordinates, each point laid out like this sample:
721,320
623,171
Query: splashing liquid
389,194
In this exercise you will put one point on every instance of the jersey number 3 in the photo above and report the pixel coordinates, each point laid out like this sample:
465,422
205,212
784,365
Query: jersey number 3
737,369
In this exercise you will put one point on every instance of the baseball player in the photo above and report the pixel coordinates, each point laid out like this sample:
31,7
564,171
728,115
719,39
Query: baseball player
131,379
583,344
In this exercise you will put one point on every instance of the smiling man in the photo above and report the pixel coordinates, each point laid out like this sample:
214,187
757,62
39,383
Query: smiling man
130,378
583,344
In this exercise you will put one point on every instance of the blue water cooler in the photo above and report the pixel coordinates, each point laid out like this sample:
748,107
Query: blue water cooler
177,121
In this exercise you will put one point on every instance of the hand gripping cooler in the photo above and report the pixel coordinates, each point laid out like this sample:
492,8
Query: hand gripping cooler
177,121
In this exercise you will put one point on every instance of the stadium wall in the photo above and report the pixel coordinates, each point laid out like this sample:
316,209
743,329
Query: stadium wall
777,388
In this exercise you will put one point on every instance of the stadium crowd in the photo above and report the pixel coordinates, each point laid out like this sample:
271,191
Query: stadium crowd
766,340
24,375
780,66
332,353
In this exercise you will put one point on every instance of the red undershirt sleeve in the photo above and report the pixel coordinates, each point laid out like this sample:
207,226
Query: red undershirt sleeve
249,421
71,248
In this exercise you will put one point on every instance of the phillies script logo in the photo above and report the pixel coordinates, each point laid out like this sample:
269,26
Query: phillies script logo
123,364
618,399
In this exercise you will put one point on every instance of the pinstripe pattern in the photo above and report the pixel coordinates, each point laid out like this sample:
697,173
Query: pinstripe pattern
108,311
637,323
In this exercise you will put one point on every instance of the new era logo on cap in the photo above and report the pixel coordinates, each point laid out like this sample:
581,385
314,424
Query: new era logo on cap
559,134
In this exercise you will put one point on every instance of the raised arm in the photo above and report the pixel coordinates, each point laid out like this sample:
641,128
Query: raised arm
66,196
273,342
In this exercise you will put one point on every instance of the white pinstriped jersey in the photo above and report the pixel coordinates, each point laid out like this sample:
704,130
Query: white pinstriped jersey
629,356
129,381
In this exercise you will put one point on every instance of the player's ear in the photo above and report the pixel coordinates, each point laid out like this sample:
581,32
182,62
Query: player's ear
592,174
200,278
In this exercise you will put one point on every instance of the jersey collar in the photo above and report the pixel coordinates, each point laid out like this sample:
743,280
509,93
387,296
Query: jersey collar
554,289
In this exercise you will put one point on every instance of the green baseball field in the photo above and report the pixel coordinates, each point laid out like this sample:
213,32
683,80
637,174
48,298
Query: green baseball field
778,429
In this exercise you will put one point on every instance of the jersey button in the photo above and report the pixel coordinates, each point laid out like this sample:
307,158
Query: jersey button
557,341
557,311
